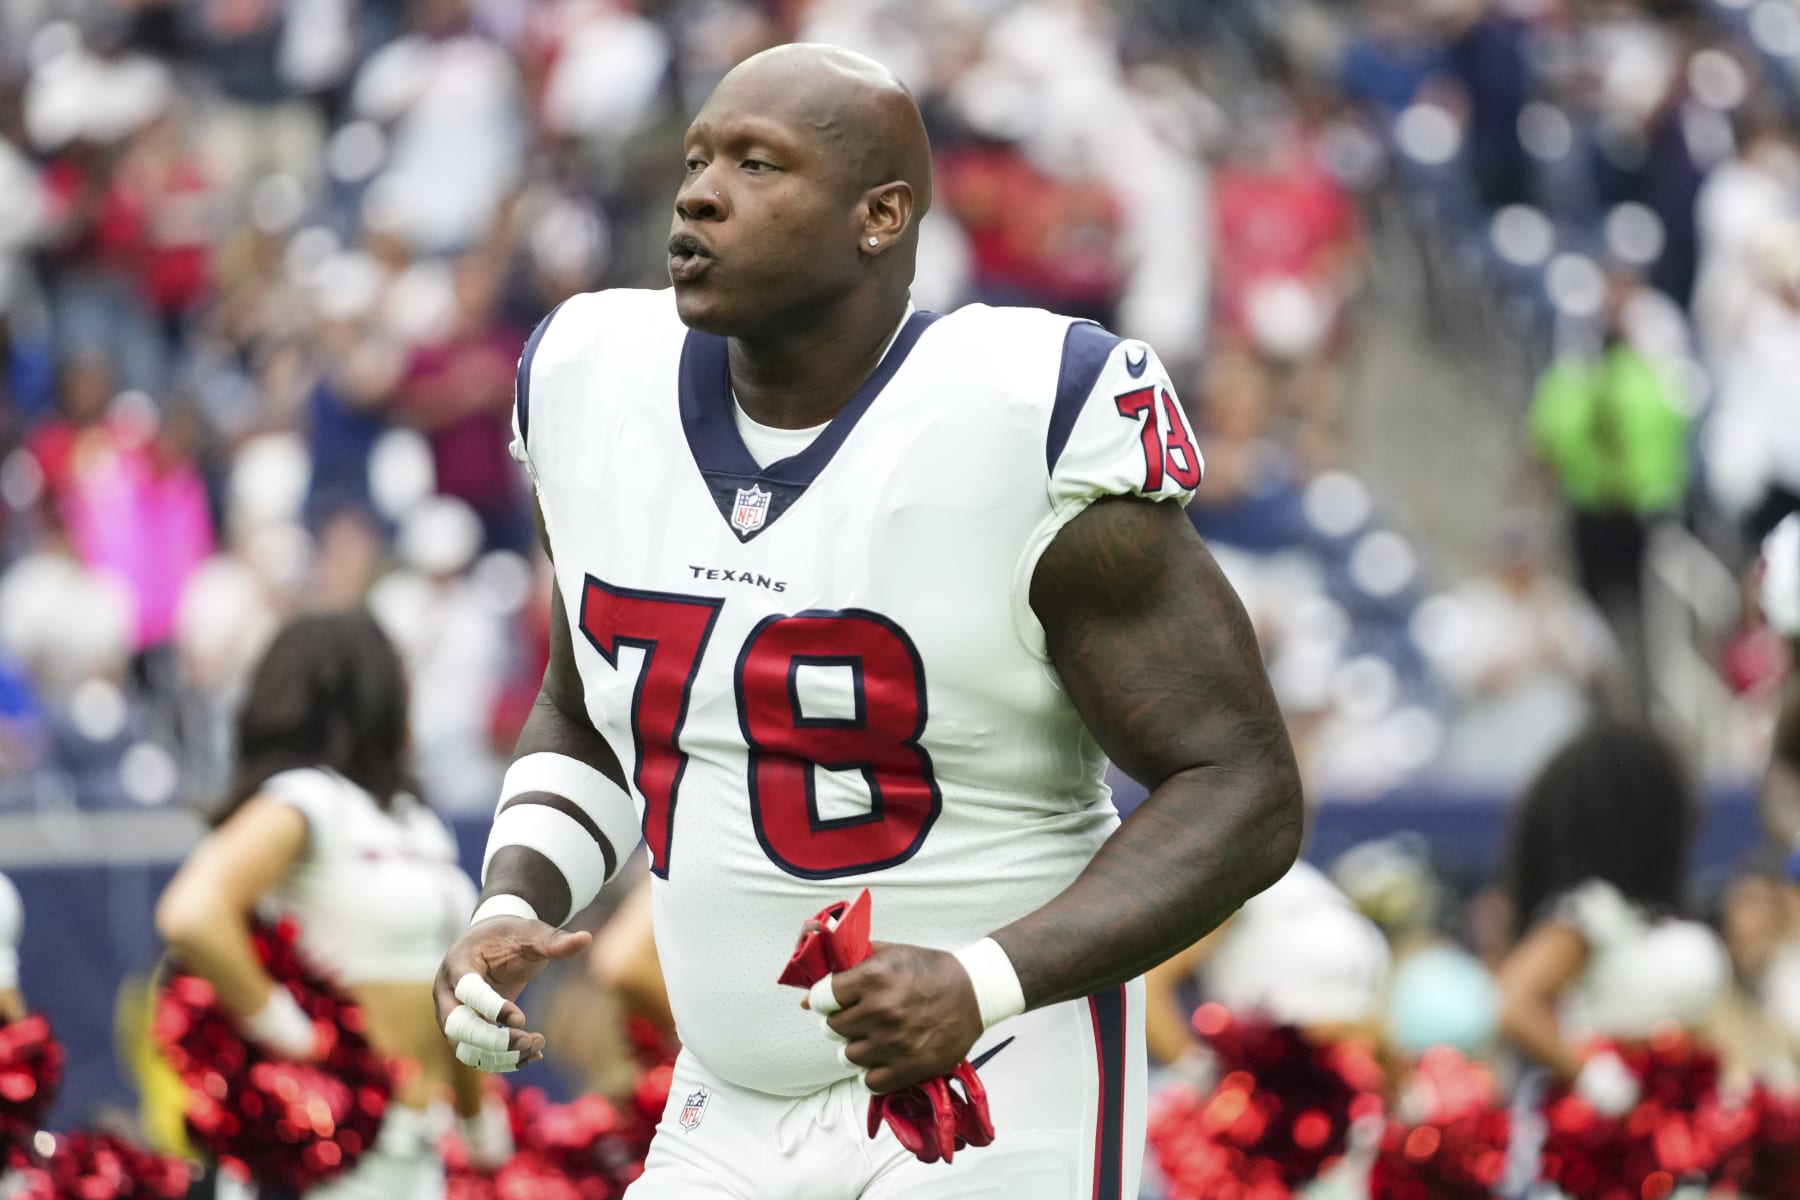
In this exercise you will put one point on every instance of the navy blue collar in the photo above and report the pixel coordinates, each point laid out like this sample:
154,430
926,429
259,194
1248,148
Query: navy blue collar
719,451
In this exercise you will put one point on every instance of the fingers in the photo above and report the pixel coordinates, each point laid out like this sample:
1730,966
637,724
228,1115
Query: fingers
479,1042
480,995
822,999
566,943
470,1027
498,1062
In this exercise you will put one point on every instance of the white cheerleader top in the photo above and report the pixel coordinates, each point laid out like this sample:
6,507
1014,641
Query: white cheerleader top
1642,973
1300,953
378,896
12,929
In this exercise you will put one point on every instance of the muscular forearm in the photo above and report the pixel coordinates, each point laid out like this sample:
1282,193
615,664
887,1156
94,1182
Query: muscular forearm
523,872
1206,840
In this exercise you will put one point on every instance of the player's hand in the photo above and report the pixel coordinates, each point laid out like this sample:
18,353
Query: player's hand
906,1013
482,976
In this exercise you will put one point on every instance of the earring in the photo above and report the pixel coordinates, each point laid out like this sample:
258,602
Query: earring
874,241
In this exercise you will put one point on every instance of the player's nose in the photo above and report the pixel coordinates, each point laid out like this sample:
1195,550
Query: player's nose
699,198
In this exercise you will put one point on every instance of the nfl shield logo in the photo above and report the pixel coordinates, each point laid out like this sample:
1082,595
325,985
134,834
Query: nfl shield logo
693,1109
751,510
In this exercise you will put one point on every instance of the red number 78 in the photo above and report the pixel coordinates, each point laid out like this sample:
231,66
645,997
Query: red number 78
1167,443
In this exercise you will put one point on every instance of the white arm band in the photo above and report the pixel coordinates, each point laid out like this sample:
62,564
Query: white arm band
558,836
998,992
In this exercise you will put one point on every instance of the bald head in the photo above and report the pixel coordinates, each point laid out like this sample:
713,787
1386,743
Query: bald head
855,105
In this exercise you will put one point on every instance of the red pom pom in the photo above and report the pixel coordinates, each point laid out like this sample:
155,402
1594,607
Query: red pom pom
1456,1149
98,1166
1280,1114
587,1149
1775,1171
31,1064
291,1125
1681,1131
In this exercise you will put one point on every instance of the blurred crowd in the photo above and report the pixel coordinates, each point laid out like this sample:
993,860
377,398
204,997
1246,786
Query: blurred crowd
266,267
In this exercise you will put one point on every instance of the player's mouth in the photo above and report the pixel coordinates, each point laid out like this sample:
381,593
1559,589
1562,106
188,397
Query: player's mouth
688,258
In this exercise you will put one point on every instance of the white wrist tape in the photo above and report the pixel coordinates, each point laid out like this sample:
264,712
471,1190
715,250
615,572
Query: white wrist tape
602,801
282,1026
504,905
998,992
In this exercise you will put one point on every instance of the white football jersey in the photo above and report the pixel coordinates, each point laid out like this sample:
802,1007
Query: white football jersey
826,674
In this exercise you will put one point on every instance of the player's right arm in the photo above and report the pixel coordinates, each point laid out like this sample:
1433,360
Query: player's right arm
526,893
564,824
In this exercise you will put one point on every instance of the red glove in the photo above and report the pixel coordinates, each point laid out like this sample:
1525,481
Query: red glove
933,1119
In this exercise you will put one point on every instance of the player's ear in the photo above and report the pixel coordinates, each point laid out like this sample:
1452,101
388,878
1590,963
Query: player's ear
887,214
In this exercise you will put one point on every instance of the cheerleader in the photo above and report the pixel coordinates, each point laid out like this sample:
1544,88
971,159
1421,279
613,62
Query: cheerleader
12,928
319,825
1598,868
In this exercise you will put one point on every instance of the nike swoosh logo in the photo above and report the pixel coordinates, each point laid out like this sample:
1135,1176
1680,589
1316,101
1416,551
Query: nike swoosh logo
981,1061
1136,368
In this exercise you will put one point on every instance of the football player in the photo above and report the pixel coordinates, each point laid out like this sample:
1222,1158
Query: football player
854,595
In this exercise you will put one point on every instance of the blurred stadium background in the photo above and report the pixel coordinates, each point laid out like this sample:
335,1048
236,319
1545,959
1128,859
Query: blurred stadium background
266,266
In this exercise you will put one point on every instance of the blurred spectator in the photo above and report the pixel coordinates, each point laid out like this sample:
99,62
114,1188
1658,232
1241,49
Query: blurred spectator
458,392
449,101
1608,425
260,58
1288,239
451,636
1034,238
126,492
1522,652
1389,58
1740,204
1755,436
1484,57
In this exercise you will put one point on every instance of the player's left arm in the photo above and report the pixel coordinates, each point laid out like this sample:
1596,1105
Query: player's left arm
1159,658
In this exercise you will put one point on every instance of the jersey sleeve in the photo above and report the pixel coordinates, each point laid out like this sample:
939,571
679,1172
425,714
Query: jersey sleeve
520,448
1116,428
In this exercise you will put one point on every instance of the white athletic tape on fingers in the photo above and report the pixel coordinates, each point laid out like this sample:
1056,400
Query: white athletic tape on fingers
480,995
844,1057
822,999
471,1028
495,1062
830,1033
